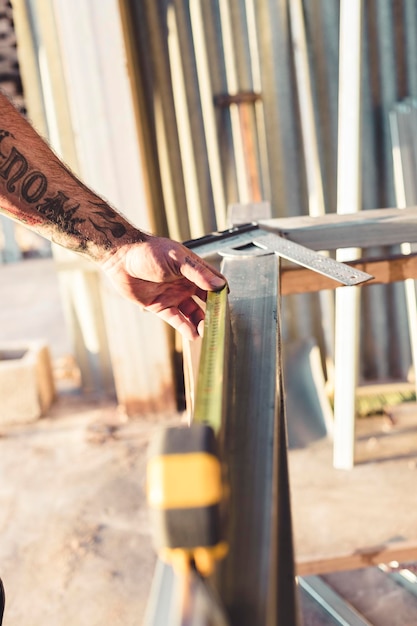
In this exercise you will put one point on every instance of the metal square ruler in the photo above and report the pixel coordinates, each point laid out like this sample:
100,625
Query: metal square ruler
244,238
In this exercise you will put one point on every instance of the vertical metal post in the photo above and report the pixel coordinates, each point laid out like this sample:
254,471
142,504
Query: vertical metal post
348,201
316,203
207,110
257,579
404,144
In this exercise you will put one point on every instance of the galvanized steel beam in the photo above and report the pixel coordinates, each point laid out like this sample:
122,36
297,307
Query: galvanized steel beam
257,580
341,611
376,227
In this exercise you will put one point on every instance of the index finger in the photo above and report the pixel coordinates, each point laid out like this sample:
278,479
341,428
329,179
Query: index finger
201,274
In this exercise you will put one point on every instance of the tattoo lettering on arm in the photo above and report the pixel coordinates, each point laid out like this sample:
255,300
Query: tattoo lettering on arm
32,187
39,201
14,167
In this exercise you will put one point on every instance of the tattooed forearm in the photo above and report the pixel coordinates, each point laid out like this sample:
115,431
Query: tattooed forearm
55,201
55,210
31,185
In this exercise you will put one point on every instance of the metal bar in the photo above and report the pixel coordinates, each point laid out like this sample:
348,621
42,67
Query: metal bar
375,227
232,83
348,201
342,612
257,579
205,79
182,601
306,106
384,227
183,120
403,137
405,579
158,610
316,202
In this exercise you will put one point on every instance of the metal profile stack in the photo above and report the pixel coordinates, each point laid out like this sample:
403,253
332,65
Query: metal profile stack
403,126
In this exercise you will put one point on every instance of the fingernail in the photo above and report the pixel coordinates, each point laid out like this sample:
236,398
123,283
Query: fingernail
200,328
218,282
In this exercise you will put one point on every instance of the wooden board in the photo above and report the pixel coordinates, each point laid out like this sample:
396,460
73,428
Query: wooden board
297,279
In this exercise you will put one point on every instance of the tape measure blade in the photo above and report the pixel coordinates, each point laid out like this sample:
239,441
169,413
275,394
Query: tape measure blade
209,392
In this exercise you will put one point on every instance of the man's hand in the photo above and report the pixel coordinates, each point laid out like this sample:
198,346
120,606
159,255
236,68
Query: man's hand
164,276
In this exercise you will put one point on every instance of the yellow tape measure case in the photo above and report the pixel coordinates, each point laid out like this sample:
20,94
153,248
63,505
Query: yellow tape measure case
184,488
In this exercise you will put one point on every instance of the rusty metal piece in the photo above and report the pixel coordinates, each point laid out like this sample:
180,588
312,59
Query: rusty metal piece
242,97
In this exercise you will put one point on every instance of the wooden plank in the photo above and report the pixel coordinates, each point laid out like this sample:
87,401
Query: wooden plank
296,279
376,227
372,557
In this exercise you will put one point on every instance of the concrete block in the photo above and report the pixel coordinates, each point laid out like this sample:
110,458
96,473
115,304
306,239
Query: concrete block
27,386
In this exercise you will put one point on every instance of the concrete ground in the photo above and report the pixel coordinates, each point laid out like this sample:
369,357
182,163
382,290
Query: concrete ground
75,546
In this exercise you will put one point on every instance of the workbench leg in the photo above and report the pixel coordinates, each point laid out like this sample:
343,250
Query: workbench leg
346,368
349,194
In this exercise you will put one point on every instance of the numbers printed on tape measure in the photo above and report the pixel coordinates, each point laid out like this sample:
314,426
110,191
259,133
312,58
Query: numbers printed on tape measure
185,487
209,394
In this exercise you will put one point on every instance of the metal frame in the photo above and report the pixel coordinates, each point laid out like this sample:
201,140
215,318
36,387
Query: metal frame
341,611
256,582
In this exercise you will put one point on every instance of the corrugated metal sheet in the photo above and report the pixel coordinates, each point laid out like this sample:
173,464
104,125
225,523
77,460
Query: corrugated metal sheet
194,55
80,97
10,84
